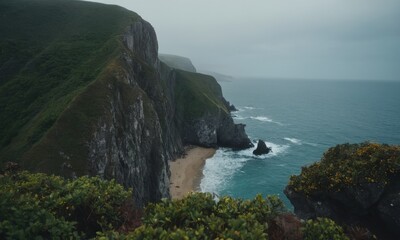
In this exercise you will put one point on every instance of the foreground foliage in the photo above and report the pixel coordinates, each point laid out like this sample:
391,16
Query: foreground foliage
323,228
39,205
199,216
349,165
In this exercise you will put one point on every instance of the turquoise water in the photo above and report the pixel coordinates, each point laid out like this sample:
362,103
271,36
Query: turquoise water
299,119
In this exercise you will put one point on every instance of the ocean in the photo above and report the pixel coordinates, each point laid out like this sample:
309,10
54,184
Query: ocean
299,120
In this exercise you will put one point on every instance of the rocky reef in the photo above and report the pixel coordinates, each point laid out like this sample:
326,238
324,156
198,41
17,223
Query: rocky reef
354,184
130,116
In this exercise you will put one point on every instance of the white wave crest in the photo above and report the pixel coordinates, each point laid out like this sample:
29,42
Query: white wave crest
219,169
265,119
246,108
293,140
299,142
276,150
238,117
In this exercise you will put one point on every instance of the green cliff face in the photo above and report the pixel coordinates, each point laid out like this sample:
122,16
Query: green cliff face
178,62
50,52
82,91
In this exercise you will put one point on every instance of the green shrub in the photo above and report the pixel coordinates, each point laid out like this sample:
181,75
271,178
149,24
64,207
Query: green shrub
323,229
51,207
24,218
39,206
198,216
349,165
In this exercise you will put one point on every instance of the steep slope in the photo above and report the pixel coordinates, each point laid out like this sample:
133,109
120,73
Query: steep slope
83,92
51,50
177,62
204,113
354,184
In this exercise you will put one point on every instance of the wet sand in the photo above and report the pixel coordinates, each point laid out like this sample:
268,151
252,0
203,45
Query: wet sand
186,172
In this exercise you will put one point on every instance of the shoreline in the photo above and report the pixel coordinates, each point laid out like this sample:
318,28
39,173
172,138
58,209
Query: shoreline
187,171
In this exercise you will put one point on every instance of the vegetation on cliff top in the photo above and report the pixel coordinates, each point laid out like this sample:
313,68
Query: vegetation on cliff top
50,51
49,207
349,165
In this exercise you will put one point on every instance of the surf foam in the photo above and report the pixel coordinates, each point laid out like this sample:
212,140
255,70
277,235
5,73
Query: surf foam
293,140
219,170
265,119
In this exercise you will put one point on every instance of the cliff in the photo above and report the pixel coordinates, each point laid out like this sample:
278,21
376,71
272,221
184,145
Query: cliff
87,94
177,62
354,184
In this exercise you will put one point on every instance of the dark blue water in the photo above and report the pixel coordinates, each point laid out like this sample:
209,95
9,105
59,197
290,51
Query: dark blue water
299,119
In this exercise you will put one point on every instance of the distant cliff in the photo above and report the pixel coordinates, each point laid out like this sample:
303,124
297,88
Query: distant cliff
178,62
83,92
354,184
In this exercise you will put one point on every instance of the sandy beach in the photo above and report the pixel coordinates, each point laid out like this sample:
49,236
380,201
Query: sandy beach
186,172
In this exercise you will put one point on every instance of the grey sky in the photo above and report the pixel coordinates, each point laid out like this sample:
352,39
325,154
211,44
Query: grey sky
319,39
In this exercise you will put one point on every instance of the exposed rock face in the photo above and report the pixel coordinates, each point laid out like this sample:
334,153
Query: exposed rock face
216,130
369,206
134,147
374,204
134,144
261,148
232,108
127,123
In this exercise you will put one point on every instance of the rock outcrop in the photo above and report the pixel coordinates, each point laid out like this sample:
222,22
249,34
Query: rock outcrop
130,116
204,114
261,148
372,202
214,131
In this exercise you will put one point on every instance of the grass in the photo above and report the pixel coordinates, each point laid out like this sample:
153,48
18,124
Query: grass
198,95
51,51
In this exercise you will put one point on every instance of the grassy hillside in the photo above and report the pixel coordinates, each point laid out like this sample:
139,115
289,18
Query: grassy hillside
198,94
177,62
50,51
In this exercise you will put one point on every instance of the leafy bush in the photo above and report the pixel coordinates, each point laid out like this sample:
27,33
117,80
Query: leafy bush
23,218
199,216
323,229
52,207
349,165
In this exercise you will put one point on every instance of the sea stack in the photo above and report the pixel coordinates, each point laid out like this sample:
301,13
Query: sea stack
261,148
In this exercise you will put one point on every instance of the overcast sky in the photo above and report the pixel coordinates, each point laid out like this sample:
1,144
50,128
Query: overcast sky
318,39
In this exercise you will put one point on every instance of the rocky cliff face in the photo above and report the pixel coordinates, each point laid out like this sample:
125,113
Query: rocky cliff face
216,130
134,144
87,95
371,198
129,122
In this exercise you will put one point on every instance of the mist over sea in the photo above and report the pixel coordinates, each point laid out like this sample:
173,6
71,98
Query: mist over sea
299,119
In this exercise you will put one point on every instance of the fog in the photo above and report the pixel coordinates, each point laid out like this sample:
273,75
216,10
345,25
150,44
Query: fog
317,39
